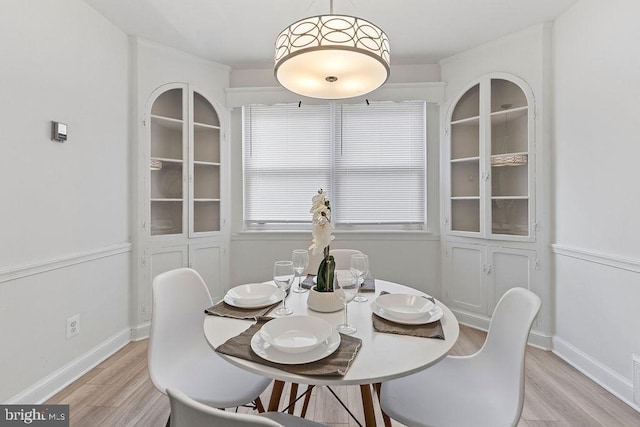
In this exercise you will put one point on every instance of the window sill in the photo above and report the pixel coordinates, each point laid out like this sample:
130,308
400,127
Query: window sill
346,234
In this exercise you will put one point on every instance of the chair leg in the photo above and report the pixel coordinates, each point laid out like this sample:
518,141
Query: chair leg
169,421
276,394
385,417
259,405
307,397
293,393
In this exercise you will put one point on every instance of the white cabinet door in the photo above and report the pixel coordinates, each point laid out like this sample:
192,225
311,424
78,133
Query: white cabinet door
159,260
208,260
464,277
508,268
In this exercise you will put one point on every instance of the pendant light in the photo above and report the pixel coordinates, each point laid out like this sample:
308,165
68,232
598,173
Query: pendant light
332,56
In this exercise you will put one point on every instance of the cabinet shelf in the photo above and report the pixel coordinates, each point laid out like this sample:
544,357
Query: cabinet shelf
167,122
205,126
510,198
469,121
166,200
465,159
465,198
206,200
202,163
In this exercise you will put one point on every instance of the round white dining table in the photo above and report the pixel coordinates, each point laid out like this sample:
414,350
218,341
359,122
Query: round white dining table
382,356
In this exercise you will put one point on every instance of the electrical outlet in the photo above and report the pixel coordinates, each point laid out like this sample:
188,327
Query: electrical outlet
73,326
636,379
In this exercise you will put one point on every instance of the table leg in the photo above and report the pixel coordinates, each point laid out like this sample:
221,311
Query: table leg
367,405
276,394
385,417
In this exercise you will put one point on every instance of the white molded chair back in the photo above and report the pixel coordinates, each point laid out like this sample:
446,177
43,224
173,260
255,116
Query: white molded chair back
485,389
342,257
186,412
179,300
179,355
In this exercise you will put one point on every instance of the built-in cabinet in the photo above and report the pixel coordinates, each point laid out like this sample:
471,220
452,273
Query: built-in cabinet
488,177
182,184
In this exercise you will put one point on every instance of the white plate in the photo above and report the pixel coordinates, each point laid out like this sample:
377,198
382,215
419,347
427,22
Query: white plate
276,297
264,350
296,334
405,306
252,293
435,314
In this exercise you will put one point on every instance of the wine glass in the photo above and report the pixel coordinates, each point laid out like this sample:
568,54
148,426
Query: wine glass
359,269
346,290
300,258
283,274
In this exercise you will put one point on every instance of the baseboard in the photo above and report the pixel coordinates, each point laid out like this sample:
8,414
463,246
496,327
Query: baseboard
59,379
141,331
612,381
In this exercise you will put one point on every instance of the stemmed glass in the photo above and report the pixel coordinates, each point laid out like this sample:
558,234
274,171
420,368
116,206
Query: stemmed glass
300,258
346,291
359,269
283,274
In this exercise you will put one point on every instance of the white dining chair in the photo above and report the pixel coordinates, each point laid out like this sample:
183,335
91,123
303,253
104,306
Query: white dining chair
342,258
178,354
186,412
485,389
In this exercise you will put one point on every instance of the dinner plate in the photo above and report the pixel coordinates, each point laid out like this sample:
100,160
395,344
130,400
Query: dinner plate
433,315
267,352
277,296
252,293
405,306
296,334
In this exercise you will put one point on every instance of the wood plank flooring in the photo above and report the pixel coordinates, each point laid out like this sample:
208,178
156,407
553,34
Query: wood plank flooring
118,392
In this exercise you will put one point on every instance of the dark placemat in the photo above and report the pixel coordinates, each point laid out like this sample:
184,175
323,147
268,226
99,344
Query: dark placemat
428,330
225,310
369,285
336,364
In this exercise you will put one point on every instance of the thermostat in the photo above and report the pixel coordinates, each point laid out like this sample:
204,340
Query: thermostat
58,131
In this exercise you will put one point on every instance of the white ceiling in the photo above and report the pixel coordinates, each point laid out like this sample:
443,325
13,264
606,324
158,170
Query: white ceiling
241,33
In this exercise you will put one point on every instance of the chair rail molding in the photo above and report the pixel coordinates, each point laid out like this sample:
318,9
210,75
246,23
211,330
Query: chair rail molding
611,260
50,264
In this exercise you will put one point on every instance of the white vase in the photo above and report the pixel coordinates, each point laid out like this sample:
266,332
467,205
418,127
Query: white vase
324,302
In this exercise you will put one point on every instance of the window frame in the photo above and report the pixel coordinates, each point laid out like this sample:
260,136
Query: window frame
384,227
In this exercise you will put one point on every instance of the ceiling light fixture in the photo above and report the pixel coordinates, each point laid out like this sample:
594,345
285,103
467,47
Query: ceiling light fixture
332,57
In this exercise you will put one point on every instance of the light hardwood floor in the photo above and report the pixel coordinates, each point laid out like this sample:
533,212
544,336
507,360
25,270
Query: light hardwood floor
118,392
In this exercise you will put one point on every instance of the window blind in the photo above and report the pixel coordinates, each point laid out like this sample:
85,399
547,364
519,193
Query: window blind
287,158
370,159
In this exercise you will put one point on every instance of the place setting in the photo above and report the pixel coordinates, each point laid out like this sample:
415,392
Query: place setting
298,344
248,301
407,314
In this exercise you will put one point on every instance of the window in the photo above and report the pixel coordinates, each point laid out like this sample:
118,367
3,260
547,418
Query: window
370,159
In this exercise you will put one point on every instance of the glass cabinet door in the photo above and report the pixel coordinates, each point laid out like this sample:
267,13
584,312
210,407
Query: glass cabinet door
167,163
509,159
465,163
489,170
184,164
205,164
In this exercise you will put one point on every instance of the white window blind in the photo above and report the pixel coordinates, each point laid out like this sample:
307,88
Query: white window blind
370,159
380,163
287,158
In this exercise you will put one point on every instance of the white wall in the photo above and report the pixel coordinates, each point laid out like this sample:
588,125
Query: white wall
65,206
596,150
